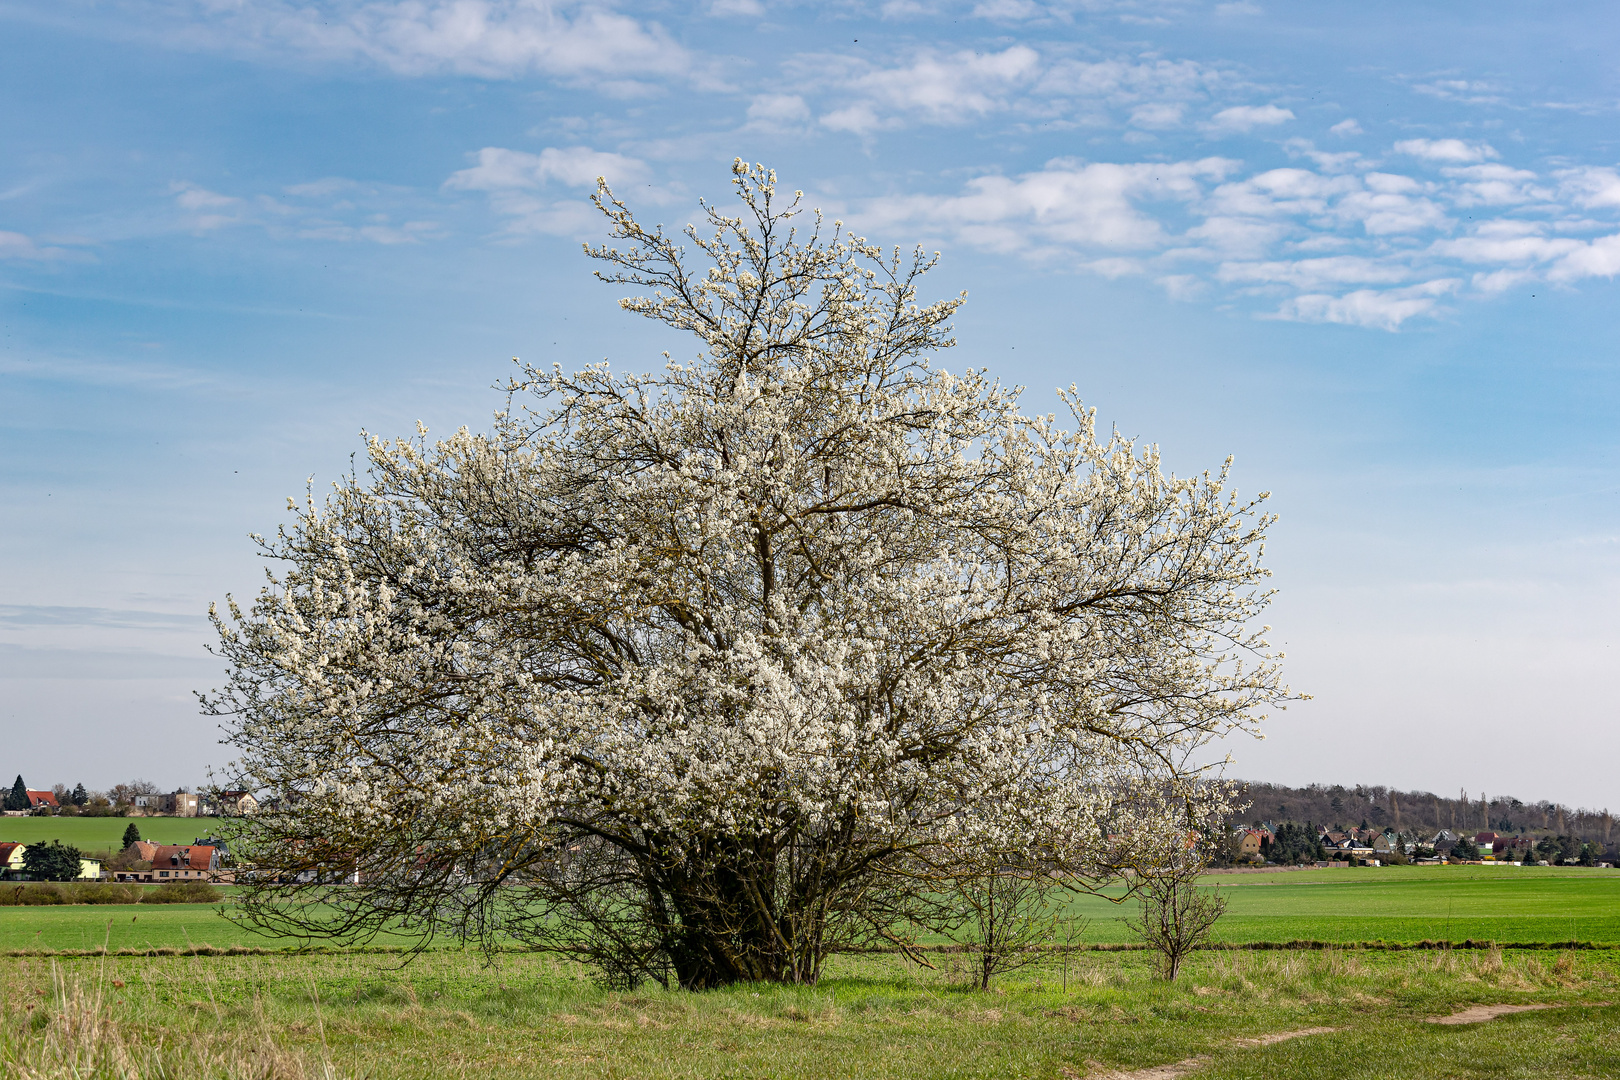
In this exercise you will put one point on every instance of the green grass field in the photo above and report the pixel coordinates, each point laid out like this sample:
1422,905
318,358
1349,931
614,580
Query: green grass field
103,833
1398,904
296,1017
1405,903
293,1016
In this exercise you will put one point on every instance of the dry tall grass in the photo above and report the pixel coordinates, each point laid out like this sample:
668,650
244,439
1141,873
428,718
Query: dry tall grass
70,1035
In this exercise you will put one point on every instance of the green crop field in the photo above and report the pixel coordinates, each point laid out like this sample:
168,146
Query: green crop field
1397,904
1404,903
130,926
1355,1013
103,833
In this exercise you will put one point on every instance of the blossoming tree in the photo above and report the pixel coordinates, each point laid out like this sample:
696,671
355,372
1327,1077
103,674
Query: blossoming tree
701,674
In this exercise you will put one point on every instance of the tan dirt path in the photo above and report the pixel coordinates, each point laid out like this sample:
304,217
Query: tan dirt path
1178,1069
1478,1014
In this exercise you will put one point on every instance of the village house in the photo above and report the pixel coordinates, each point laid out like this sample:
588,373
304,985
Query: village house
171,862
11,864
235,802
172,804
11,858
37,799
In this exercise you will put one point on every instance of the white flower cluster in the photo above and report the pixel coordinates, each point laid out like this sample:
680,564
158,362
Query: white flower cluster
762,634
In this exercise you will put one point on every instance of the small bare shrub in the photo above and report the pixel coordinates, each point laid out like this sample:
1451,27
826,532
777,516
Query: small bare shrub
1176,916
1008,914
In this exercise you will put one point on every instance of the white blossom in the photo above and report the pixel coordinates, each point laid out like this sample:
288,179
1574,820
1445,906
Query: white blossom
702,672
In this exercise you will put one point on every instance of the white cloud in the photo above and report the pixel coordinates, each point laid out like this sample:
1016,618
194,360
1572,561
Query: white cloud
1600,258
751,9
1380,310
1342,242
936,88
333,208
499,169
518,185
1472,92
1007,10
15,245
1158,115
207,210
933,87
1312,274
1590,188
1240,119
1279,192
487,38
1346,128
1183,286
778,112
1495,185
1389,205
1128,81
1450,151
1507,243
1087,206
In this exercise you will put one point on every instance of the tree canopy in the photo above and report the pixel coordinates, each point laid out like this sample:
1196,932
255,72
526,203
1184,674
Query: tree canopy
54,861
698,674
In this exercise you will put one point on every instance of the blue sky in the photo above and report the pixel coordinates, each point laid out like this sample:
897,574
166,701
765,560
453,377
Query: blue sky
1370,250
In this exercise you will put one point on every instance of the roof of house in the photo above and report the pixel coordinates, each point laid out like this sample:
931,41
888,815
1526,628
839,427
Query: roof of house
8,851
184,856
35,798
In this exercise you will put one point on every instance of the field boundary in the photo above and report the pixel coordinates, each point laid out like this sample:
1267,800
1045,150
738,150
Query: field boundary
1241,946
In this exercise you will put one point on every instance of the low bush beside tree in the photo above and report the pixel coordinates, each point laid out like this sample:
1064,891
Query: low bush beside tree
1176,914
1005,911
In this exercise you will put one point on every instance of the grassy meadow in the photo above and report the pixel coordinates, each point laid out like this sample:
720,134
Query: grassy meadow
1091,1014
446,1014
104,833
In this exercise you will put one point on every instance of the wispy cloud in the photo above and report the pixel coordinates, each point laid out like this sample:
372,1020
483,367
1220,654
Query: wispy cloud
1241,119
1448,151
1340,243
333,208
961,87
570,40
522,187
15,615
16,246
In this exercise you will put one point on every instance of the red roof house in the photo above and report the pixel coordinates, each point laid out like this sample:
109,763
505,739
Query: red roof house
180,861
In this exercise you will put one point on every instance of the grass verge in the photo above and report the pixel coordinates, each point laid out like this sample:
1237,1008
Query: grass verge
1075,1016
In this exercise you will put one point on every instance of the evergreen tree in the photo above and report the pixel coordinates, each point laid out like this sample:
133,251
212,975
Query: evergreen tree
79,796
1464,849
52,862
132,833
17,797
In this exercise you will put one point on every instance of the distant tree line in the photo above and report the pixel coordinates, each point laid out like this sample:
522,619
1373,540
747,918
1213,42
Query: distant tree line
1557,833
1423,813
76,800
